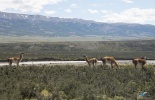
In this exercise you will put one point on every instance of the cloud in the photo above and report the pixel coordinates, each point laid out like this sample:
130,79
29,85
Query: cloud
128,1
92,11
105,11
34,6
68,10
133,15
73,5
49,12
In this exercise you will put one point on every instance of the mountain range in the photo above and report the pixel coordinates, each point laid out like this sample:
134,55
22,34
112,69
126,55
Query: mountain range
14,24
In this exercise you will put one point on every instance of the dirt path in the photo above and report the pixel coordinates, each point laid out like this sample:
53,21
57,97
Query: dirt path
120,62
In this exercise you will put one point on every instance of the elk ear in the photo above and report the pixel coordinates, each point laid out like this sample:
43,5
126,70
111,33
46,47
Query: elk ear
145,57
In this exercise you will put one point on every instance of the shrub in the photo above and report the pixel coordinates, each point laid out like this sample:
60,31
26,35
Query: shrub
75,82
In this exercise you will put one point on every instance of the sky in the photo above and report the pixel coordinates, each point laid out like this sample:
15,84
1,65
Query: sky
109,11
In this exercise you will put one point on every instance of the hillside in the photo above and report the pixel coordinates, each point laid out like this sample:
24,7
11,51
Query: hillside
12,24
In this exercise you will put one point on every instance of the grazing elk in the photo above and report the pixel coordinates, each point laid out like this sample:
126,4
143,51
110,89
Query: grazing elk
141,61
15,59
109,59
90,61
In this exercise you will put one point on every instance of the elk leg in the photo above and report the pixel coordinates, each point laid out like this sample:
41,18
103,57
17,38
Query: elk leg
135,64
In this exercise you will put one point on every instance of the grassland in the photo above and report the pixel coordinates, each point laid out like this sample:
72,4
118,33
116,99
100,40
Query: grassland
69,82
76,50
75,83
26,38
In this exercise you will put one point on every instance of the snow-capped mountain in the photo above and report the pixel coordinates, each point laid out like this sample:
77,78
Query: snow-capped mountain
37,25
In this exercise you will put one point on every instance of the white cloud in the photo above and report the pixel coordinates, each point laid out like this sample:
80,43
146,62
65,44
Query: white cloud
133,15
68,10
105,11
128,1
73,5
26,5
92,11
49,12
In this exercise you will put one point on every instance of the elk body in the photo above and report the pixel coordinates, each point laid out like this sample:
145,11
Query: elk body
109,59
140,61
15,59
90,61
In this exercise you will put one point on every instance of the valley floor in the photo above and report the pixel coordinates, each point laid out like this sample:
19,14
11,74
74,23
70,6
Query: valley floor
75,63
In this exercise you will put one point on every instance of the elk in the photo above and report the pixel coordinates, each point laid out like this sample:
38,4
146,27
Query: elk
90,61
141,61
15,59
109,59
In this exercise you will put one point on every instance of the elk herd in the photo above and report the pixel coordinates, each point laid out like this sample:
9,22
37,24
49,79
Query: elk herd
91,61
111,60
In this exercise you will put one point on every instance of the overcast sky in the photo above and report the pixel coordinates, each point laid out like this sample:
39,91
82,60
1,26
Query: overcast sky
111,11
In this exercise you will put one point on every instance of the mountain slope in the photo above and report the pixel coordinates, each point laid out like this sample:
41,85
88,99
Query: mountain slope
12,24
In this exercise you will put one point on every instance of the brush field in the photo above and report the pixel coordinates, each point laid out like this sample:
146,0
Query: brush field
76,83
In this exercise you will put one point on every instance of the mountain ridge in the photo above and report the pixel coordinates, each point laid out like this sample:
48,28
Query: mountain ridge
14,24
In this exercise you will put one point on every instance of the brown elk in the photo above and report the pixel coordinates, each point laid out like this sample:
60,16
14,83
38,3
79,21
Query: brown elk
109,59
141,61
15,59
90,61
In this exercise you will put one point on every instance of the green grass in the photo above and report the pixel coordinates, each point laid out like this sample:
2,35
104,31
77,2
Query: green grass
75,82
